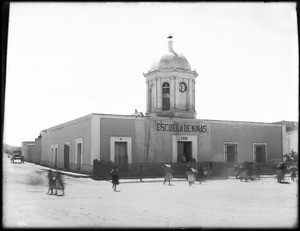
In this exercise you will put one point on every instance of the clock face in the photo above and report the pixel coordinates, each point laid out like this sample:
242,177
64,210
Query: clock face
182,87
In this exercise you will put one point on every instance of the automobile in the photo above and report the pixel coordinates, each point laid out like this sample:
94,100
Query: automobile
17,155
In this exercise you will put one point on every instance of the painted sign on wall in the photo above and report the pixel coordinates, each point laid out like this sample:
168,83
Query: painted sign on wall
168,127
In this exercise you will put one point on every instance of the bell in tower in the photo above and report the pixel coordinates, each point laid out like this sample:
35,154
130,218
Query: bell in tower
171,86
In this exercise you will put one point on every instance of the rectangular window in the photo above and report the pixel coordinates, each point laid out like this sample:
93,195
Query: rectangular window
230,152
260,153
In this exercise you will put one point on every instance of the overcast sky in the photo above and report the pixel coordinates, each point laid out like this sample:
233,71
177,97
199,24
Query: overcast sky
67,60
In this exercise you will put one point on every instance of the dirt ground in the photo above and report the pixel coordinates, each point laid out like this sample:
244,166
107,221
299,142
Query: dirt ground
263,203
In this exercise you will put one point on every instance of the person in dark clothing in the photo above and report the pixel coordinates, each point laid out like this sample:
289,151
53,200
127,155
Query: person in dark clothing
281,169
59,183
202,174
293,173
51,181
115,177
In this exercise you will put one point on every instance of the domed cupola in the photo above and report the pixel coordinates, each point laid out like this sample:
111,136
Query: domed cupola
171,86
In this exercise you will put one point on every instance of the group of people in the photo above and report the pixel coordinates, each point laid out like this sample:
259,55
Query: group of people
55,182
196,174
193,174
282,169
185,158
244,171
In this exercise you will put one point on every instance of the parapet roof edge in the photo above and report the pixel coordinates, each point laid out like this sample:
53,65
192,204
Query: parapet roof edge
219,121
80,119
237,121
74,121
89,116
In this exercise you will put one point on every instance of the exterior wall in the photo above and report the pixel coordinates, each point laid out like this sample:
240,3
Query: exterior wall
160,138
152,140
246,134
69,132
290,136
25,150
30,150
292,139
36,153
115,127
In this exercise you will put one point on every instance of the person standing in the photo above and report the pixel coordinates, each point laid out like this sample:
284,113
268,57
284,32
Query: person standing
202,174
293,173
243,172
51,181
190,175
168,173
115,177
183,158
281,169
236,171
60,183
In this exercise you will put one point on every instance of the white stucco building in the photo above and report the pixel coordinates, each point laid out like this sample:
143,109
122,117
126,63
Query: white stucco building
168,130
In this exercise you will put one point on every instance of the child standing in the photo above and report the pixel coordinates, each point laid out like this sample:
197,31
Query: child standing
168,173
115,177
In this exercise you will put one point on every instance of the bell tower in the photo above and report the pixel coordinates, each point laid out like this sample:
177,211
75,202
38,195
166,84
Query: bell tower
171,87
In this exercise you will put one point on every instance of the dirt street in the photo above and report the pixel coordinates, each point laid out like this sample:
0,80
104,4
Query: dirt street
228,203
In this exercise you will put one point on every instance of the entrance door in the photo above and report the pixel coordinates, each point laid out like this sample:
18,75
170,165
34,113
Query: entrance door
66,156
56,157
79,156
184,148
121,152
260,153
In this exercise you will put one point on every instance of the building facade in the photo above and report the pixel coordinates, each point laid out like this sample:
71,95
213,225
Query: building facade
167,132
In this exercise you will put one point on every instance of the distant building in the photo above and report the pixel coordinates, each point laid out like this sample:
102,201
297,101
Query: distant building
291,136
32,150
168,130
27,149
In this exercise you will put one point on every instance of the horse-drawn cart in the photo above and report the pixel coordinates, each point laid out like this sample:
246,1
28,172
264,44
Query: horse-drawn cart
17,156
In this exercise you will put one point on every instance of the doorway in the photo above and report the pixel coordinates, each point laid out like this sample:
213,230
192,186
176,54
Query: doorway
55,157
184,148
66,156
121,156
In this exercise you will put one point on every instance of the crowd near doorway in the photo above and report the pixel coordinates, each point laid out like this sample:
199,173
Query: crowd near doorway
184,151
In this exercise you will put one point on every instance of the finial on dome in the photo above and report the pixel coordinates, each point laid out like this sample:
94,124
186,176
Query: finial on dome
170,42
